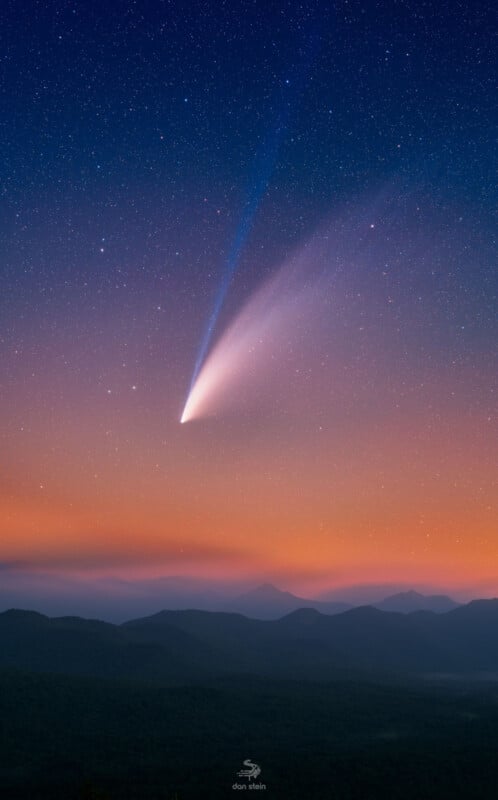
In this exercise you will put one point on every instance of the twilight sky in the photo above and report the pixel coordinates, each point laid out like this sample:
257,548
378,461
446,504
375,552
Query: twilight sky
306,188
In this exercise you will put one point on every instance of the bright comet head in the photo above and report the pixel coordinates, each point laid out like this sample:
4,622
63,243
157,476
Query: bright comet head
244,357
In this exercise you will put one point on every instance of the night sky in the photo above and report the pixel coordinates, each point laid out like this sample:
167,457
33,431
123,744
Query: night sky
308,189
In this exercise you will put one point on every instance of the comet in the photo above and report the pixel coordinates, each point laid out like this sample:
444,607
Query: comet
273,323
281,327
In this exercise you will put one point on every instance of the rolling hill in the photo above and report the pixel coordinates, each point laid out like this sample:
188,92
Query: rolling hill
185,646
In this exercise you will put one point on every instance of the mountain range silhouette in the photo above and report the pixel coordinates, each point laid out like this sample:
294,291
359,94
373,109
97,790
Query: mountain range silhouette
177,646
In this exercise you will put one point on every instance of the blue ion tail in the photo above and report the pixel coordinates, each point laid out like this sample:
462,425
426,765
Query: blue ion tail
263,168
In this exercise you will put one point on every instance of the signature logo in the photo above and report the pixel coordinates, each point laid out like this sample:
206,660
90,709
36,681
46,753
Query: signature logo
252,771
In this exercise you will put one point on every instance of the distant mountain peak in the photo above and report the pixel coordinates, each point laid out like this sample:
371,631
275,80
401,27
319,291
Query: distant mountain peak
409,601
266,588
267,593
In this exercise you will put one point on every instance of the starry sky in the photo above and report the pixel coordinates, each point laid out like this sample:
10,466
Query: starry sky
326,169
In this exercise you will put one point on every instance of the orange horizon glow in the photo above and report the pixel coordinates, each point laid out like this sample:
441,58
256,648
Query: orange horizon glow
358,507
343,443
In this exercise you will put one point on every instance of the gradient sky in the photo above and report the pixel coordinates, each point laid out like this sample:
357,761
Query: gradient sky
359,445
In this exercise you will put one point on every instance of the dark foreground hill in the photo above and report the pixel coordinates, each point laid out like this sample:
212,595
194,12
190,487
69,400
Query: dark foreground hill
168,707
72,738
72,645
182,646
